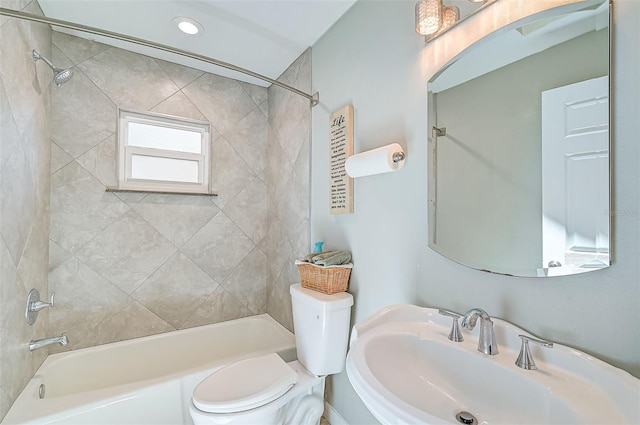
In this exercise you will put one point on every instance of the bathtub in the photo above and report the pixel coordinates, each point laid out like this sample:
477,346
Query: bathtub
142,381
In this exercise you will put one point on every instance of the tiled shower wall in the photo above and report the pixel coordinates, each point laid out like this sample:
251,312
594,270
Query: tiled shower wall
288,182
25,91
126,265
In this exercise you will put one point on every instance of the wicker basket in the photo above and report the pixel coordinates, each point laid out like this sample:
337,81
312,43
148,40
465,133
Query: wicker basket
328,280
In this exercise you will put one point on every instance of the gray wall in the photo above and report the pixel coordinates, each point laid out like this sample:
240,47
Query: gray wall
384,74
25,92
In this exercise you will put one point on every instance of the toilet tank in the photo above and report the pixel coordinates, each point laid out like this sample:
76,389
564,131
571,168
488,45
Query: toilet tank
321,327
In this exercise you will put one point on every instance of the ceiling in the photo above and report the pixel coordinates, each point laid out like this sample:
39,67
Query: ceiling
263,36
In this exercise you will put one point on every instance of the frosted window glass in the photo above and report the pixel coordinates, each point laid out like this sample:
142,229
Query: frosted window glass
174,139
168,169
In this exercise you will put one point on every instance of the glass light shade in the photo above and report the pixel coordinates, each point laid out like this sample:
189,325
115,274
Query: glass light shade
450,15
428,16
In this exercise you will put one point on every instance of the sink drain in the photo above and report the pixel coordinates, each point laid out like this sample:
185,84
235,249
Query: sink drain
466,418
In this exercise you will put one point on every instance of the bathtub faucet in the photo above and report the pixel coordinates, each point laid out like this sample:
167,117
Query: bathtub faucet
62,340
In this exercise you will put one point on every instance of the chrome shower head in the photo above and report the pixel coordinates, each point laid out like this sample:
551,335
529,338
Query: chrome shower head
60,76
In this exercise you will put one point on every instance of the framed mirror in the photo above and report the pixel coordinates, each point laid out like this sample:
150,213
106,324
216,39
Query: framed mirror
519,147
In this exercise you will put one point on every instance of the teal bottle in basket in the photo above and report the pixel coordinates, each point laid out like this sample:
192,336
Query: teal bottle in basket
318,247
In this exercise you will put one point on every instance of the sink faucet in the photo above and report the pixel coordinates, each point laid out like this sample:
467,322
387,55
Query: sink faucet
40,343
487,342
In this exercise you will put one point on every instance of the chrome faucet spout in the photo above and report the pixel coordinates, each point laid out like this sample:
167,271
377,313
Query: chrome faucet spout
487,343
40,343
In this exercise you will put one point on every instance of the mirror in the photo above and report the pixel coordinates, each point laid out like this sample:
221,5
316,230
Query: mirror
518,152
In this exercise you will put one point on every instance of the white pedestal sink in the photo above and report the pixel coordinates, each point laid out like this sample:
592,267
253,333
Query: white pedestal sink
406,371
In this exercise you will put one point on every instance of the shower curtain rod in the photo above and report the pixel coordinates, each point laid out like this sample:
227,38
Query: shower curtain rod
314,98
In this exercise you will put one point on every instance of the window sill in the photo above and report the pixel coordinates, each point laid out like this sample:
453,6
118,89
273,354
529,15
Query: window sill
116,190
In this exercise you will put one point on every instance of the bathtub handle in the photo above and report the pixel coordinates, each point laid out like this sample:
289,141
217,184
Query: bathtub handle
41,305
34,305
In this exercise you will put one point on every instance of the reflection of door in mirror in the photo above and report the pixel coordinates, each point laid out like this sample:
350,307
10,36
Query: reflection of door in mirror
575,171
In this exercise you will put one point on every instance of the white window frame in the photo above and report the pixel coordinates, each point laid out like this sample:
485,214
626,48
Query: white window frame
125,152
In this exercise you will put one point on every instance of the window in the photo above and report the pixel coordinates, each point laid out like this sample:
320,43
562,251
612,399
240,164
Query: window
160,153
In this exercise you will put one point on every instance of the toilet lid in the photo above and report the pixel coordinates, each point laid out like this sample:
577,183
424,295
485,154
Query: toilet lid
244,385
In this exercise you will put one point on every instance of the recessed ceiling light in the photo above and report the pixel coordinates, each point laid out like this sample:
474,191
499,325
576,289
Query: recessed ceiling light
187,25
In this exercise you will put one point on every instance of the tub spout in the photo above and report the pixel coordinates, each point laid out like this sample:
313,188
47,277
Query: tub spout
40,343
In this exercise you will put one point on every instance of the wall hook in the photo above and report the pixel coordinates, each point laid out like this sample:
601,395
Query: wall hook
439,132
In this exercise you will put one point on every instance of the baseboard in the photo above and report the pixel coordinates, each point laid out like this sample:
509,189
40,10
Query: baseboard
333,416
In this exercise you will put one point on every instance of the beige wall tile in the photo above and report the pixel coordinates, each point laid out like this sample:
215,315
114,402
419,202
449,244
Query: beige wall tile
181,75
130,80
77,49
249,139
218,307
127,252
80,208
221,100
218,247
133,321
287,176
24,194
248,210
179,105
175,290
176,217
83,300
82,115
248,281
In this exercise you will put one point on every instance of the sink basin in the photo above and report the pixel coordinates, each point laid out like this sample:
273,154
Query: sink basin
406,371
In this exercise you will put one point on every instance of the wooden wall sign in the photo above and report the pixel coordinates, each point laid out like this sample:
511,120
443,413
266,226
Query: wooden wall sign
340,148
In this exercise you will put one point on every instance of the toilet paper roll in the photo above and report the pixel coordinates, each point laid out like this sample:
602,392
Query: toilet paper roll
375,161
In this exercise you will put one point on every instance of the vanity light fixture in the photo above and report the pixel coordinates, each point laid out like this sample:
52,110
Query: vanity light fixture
187,25
434,17
450,15
428,16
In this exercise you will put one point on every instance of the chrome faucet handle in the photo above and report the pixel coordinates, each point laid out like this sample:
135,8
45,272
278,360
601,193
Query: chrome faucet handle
454,335
41,305
525,359
34,305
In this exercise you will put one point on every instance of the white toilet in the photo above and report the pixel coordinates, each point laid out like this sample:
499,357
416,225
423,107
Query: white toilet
267,391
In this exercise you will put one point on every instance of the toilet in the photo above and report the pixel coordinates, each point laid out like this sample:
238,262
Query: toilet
266,390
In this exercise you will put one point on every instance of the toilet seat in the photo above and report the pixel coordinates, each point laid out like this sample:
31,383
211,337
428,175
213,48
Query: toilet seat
228,390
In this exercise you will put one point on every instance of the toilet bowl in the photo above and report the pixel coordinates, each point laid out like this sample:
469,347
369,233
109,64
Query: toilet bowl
266,390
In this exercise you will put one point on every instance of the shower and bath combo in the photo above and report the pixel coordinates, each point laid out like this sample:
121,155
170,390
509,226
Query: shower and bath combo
60,76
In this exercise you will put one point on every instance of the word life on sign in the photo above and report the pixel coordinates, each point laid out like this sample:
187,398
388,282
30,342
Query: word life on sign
340,148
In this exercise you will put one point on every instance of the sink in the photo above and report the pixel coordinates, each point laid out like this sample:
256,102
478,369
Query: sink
406,371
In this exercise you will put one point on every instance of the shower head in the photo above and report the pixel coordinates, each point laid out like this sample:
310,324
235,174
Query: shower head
60,76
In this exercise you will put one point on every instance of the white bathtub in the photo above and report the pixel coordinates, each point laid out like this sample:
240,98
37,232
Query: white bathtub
142,381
